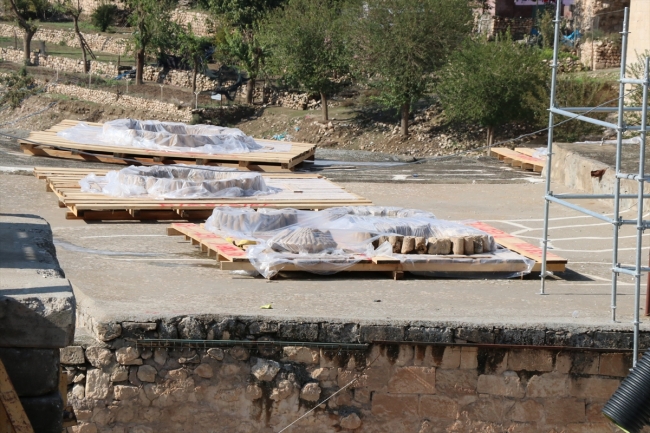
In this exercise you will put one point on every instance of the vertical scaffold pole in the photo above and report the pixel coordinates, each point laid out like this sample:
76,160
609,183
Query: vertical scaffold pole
549,156
619,145
639,222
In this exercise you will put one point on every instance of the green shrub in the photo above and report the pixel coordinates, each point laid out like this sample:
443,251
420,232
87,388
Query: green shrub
581,92
104,16
18,86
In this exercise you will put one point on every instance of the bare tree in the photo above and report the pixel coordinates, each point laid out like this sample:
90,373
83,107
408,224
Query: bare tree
73,9
23,18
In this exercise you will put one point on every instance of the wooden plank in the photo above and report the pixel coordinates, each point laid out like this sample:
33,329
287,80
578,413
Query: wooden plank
517,159
522,247
11,404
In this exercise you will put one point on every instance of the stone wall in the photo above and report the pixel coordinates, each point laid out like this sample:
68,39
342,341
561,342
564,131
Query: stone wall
434,386
198,20
177,78
60,63
600,54
604,15
96,42
170,111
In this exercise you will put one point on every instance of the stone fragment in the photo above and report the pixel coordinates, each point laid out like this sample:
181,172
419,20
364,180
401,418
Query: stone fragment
562,411
97,384
508,385
253,392
548,385
78,378
108,331
457,245
304,355
216,353
615,364
530,360
191,329
469,358
310,392
594,388
128,356
146,354
85,428
239,353
439,246
160,356
119,374
72,355
438,406
204,371
468,245
394,405
78,391
350,422
324,373
408,245
147,373
99,357
194,359
265,370
125,392
282,391
178,374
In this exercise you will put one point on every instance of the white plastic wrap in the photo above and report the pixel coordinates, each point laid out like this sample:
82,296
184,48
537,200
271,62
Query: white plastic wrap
335,239
177,182
164,136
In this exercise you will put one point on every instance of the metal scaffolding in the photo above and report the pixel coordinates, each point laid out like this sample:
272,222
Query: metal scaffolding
641,177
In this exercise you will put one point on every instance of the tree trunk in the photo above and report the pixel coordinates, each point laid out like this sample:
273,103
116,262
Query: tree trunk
81,44
139,66
195,72
27,46
490,135
250,91
405,119
323,106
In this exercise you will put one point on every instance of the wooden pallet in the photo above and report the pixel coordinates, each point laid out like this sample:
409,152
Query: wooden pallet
299,191
13,418
554,263
231,257
518,159
257,161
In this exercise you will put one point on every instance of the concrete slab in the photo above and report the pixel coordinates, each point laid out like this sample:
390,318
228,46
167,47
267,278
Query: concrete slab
135,273
36,300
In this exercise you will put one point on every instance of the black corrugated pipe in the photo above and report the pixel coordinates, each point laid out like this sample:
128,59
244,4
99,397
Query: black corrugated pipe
629,407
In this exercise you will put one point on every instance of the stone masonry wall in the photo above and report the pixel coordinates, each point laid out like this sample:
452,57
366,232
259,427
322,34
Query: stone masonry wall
60,63
169,111
400,386
198,20
96,42
600,54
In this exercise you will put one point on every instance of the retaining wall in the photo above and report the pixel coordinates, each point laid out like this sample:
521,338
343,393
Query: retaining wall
600,54
428,384
172,111
60,63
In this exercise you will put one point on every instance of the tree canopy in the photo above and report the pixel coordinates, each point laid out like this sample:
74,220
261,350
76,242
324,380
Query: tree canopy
400,44
492,83
308,45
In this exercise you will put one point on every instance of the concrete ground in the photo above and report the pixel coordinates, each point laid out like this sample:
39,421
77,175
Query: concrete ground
131,271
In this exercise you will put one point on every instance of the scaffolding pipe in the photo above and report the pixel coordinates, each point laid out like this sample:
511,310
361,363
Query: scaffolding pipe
640,226
597,196
551,197
619,142
549,156
598,109
584,118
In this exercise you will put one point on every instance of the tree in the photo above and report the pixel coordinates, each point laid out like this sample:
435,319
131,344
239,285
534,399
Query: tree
308,45
25,13
242,44
492,83
151,20
104,16
73,9
193,48
400,44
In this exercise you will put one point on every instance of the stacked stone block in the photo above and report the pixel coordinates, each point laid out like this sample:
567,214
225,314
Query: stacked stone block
600,54
399,386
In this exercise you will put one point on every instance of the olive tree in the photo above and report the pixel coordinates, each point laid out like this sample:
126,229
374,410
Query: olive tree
26,12
492,83
399,45
308,45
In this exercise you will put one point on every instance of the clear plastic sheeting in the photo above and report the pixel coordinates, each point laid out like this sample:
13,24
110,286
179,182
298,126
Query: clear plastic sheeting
335,239
163,136
177,182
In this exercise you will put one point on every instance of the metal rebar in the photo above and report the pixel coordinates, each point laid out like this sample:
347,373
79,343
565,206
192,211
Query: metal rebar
549,153
619,144
640,226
